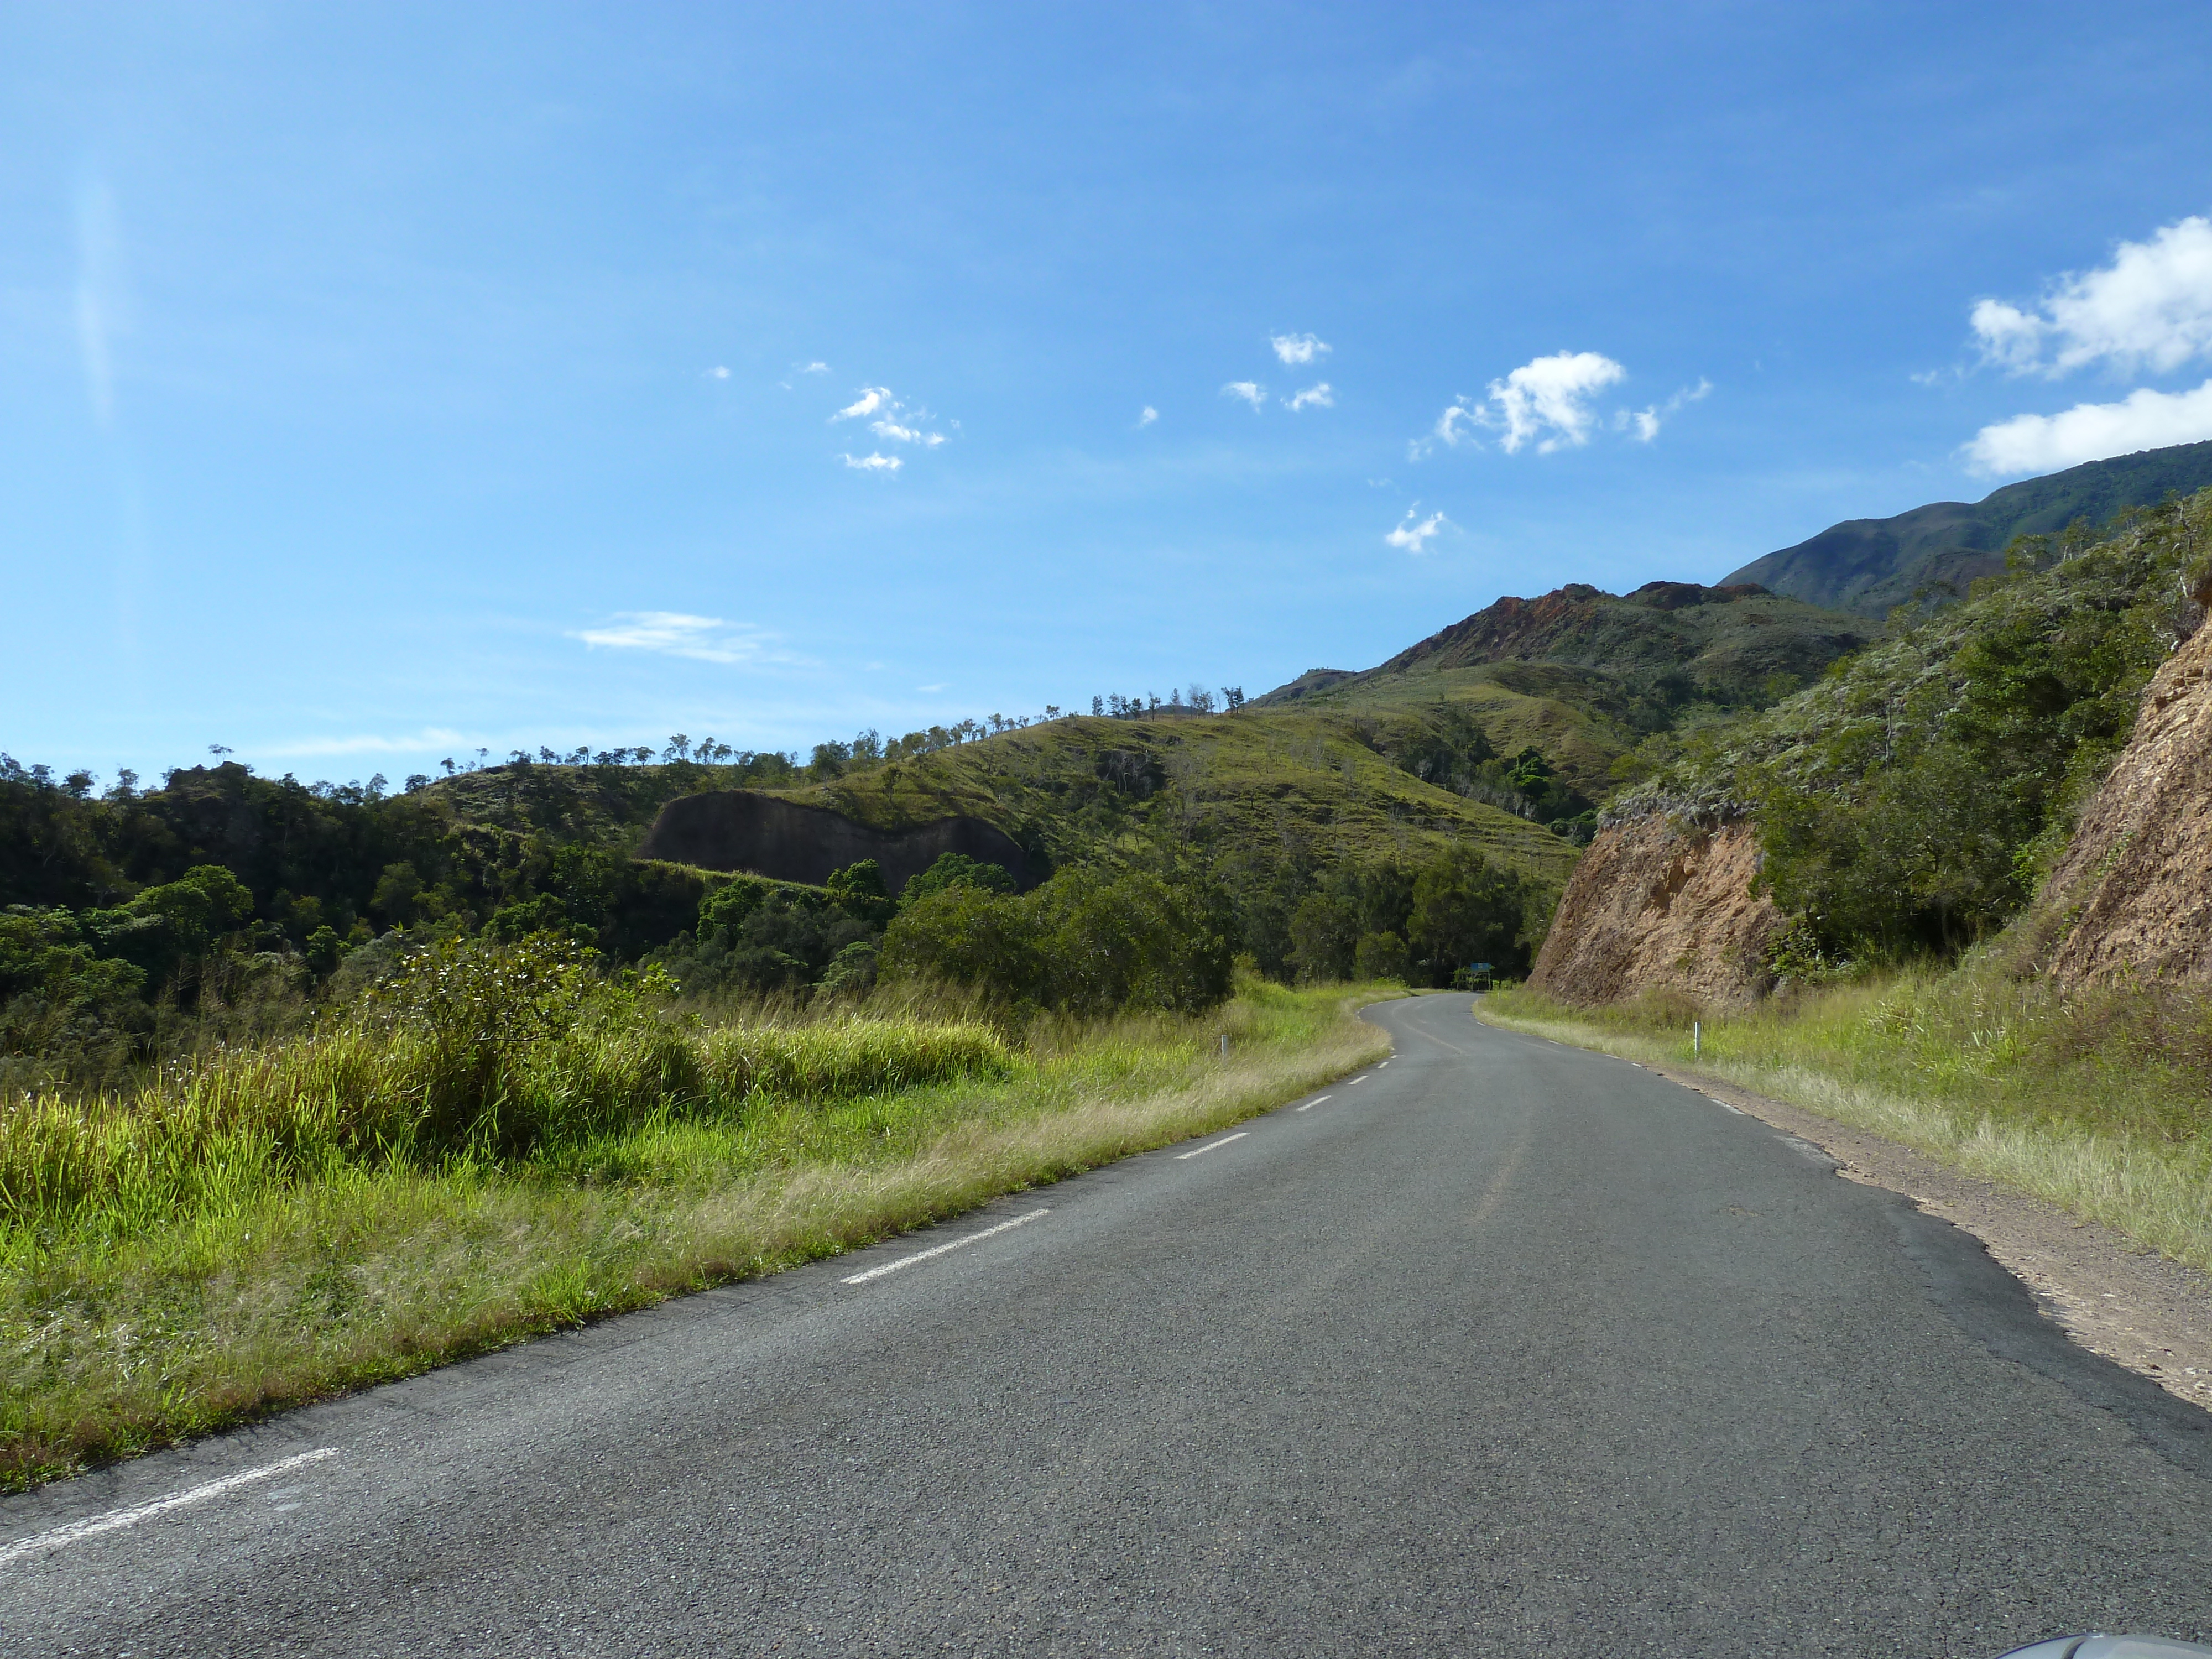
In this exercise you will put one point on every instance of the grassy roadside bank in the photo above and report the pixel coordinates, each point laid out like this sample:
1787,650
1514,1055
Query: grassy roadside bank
123,1327
2098,1104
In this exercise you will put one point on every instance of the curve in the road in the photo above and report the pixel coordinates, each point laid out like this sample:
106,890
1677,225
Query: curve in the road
1496,1348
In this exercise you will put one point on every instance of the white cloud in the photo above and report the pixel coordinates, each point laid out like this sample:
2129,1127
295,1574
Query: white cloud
815,368
673,634
1148,416
1313,397
1644,424
2151,308
885,464
1550,393
1296,348
1250,391
1414,536
2089,432
719,372
905,434
893,420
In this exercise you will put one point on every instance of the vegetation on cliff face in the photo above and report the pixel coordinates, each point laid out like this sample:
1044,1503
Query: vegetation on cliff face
1913,799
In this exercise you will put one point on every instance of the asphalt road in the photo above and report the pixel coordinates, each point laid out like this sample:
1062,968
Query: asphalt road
1499,1348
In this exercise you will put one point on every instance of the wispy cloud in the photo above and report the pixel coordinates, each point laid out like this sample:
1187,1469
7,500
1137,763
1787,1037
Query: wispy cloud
102,308
1454,427
892,420
1148,416
818,367
1292,350
2145,419
1313,397
1644,424
719,372
1413,533
674,634
890,428
431,737
2150,308
1250,391
885,464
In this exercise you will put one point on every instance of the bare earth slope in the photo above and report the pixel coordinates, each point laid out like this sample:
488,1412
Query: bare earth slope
2133,894
1656,903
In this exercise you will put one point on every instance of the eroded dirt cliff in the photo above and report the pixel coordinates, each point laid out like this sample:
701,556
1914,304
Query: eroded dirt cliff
2133,894
1659,904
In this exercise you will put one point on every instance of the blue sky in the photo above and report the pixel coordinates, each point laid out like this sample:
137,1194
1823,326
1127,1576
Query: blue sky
388,382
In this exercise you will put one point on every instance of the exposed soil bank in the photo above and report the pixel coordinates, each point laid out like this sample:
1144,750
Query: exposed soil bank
1660,904
2132,897
738,830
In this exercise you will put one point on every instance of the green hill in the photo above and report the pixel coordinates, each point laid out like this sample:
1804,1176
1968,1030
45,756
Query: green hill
1870,565
1336,785
1584,676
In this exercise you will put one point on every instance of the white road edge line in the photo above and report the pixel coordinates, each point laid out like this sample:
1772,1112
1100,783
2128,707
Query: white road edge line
1210,1144
939,1250
1725,1107
1315,1102
1355,1083
116,1520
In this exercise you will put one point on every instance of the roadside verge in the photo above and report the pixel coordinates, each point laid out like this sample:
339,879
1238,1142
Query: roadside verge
115,1340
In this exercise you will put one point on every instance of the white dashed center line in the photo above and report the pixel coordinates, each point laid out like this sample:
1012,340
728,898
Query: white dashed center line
1315,1102
1210,1144
1355,1083
939,1250
116,1520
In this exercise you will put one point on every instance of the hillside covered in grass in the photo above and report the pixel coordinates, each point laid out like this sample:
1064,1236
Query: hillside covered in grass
1585,676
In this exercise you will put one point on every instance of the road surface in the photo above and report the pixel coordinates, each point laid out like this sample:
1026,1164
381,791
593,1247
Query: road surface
1499,1347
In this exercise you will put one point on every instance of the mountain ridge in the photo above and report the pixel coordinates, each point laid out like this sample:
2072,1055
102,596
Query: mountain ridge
1868,566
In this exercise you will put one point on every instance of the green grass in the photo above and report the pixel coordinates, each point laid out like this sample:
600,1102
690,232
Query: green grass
2099,1102
287,1259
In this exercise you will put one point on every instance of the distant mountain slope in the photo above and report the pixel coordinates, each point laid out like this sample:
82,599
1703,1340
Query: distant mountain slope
1585,675
1870,565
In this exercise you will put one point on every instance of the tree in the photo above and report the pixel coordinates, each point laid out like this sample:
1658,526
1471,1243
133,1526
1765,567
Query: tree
1467,910
1324,934
956,870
